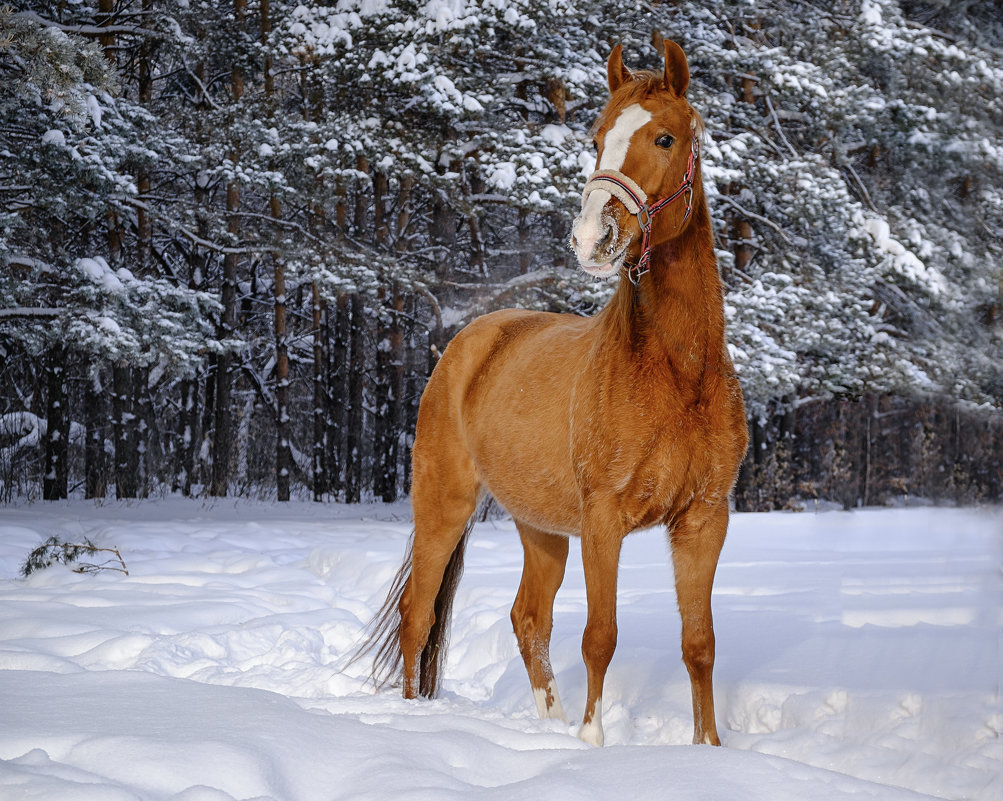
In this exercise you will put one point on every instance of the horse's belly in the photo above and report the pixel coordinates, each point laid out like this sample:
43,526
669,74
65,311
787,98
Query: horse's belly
537,497
521,450
524,461
509,377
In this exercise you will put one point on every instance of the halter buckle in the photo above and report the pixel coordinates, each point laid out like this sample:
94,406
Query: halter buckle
643,217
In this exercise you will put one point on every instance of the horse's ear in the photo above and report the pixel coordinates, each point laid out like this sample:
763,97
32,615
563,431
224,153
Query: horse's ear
677,71
616,73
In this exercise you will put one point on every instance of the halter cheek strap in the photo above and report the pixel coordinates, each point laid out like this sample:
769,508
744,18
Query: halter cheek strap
635,200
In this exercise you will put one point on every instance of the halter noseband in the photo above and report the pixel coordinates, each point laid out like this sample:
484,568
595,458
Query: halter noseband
627,191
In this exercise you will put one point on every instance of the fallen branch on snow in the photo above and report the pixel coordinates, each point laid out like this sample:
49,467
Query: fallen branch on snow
54,551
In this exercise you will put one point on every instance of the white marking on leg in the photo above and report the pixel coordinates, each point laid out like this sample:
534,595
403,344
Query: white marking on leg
555,711
592,732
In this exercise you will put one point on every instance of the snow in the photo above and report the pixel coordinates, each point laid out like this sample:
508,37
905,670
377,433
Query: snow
503,176
54,137
903,261
857,659
98,271
94,109
555,134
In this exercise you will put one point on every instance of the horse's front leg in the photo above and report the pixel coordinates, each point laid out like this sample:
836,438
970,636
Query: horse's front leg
696,545
600,558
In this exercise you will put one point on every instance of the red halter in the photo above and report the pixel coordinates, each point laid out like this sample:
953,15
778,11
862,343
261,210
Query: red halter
635,199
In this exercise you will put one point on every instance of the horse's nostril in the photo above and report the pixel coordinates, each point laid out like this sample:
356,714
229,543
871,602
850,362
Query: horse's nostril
606,240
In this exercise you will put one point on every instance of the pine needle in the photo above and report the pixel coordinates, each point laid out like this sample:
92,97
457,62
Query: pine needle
55,551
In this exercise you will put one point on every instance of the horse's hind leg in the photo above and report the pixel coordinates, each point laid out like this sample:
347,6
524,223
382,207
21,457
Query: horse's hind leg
533,612
443,502
696,546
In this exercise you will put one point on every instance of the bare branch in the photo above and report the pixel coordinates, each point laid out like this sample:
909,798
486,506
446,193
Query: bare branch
776,124
89,30
753,216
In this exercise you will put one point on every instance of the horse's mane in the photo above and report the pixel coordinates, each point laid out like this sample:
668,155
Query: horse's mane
621,311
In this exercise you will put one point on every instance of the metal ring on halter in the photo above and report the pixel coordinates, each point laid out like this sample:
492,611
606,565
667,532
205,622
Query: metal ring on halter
635,271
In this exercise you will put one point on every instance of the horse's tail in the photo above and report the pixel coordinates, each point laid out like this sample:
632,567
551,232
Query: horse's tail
433,657
383,641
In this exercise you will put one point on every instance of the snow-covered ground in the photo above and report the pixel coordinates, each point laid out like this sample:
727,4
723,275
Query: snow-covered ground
858,658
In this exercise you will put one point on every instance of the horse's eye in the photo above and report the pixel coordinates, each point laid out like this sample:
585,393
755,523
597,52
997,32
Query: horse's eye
664,141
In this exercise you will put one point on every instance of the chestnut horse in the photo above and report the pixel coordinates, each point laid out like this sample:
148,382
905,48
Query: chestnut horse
588,427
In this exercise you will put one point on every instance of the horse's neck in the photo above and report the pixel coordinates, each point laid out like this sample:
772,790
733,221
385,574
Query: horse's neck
677,314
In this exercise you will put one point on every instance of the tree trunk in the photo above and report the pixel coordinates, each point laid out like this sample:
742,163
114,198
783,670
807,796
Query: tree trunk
741,231
144,224
868,410
266,29
122,422
341,208
380,227
283,455
96,415
759,445
55,483
188,437
478,251
414,382
525,255
319,460
204,454
361,198
222,446
337,393
404,211
195,424
387,396
139,434
223,416
106,9
442,233
355,419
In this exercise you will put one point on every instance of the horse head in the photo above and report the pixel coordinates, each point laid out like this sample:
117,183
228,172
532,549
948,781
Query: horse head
648,142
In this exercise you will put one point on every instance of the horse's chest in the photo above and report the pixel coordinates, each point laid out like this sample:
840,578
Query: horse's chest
653,462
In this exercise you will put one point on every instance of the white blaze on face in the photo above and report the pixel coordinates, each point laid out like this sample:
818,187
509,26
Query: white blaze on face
590,226
617,143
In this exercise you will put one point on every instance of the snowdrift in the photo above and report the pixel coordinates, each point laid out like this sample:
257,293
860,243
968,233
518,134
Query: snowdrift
858,657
